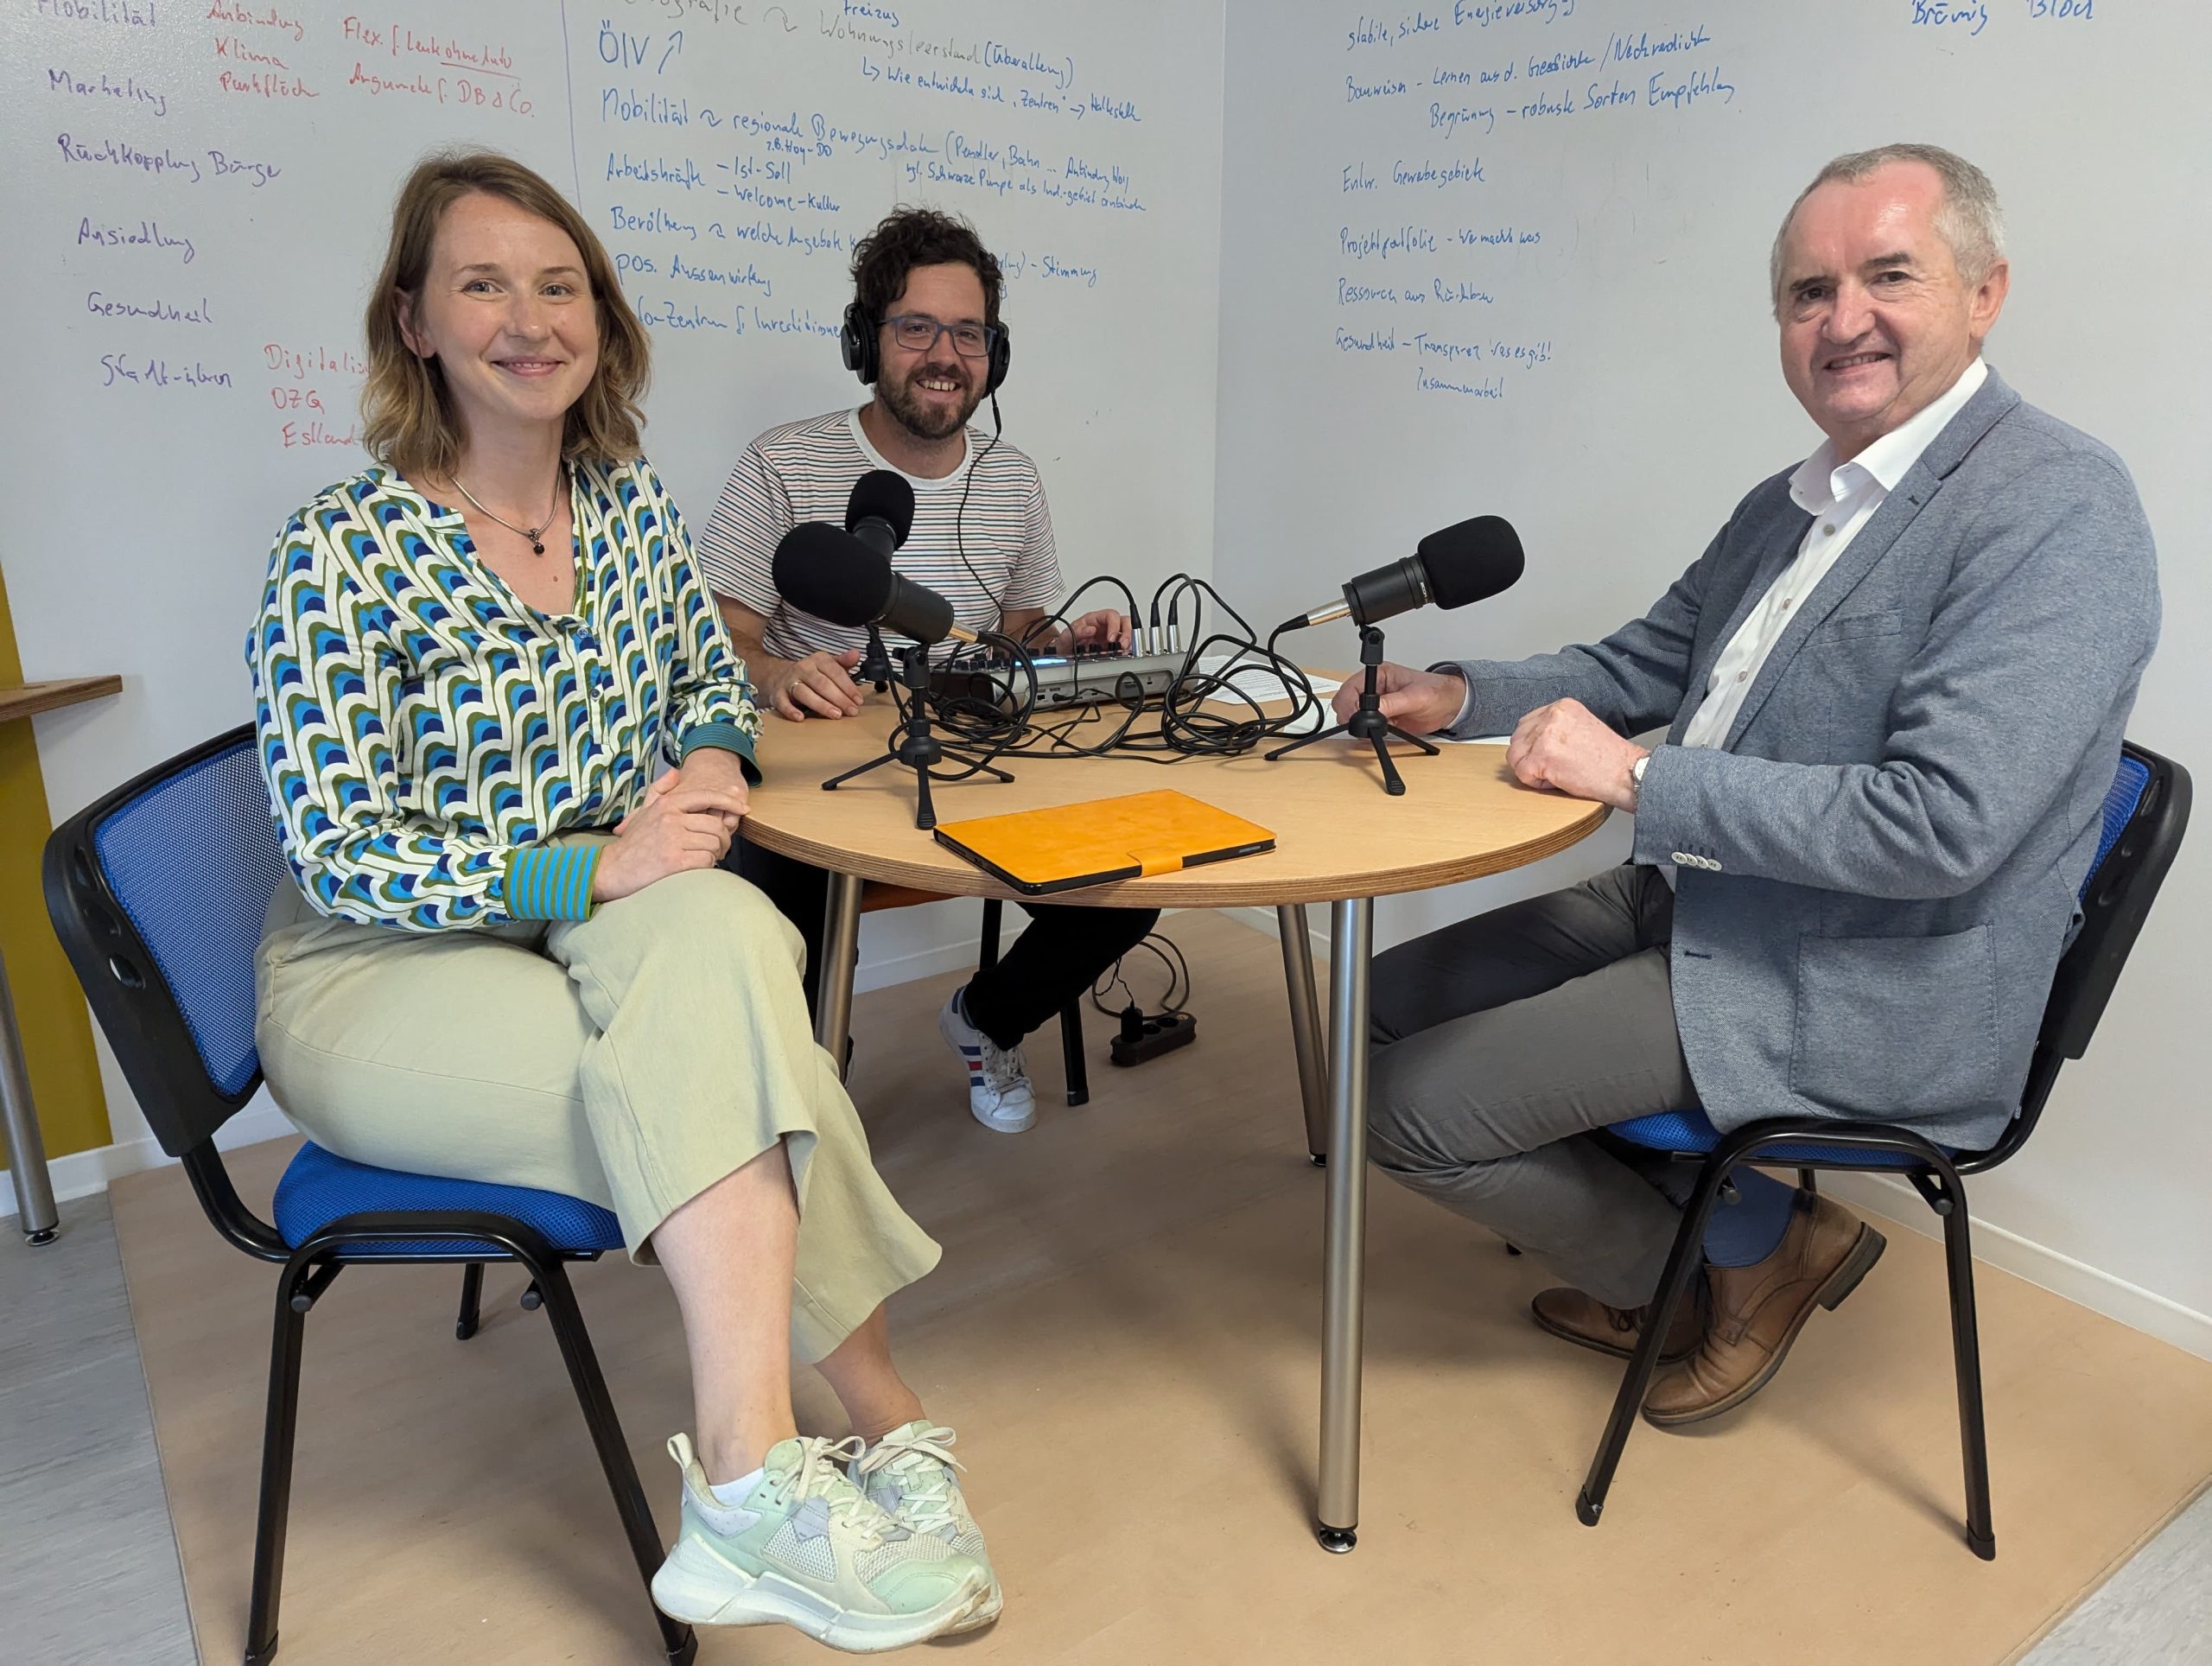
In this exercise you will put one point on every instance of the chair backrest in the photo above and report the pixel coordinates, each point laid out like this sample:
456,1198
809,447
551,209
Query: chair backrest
157,893
2146,813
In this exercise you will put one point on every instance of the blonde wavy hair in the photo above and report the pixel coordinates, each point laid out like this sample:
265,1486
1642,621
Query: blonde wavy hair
408,419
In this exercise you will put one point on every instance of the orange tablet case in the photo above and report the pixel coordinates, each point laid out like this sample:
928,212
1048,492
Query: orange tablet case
1040,851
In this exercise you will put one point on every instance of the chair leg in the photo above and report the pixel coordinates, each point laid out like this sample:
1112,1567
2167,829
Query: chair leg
1807,1181
986,953
613,1452
1682,1262
1966,1346
1078,1073
282,1420
471,1295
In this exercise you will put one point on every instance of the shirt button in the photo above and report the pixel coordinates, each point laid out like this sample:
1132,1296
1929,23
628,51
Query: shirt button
1785,604
1828,530
1743,677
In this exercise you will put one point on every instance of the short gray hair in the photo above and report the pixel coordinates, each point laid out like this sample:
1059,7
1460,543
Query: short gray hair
1967,219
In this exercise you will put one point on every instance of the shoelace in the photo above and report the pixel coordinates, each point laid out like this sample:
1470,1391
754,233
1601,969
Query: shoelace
1002,1067
819,1472
927,1485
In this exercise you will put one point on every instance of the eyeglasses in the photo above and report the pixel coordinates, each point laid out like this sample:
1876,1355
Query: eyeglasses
918,333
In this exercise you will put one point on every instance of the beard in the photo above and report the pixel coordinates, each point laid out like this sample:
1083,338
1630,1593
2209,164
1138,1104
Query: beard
925,422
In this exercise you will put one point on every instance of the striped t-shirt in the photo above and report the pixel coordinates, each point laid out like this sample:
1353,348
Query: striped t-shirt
806,471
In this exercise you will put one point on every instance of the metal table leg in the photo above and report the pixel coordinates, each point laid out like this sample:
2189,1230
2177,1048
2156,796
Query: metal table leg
841,939
1352,930
34,1210
1306,1028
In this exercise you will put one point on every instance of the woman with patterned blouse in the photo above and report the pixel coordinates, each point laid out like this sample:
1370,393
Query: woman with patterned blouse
511,956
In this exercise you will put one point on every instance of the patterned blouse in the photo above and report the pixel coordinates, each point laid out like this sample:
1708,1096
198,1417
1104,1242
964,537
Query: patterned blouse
428,737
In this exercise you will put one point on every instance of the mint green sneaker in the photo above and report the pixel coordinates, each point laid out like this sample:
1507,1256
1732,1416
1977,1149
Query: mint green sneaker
910,1473
807,1548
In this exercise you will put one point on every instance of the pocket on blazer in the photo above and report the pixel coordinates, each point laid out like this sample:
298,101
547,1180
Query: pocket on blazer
1887,1027
1886,622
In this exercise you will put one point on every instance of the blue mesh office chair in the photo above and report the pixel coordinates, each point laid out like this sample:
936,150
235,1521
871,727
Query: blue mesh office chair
157,893
2145,815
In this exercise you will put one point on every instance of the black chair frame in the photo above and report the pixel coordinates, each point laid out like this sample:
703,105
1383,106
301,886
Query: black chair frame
159,1058
2113,910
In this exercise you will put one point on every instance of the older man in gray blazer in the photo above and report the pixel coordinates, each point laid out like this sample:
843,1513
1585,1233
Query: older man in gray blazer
1893,688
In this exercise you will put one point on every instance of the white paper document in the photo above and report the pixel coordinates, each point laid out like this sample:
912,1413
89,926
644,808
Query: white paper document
1253,680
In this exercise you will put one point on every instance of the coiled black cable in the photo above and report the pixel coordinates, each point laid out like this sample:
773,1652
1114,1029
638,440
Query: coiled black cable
1192,722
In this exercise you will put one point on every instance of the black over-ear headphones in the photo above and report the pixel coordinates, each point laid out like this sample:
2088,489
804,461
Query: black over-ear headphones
863,353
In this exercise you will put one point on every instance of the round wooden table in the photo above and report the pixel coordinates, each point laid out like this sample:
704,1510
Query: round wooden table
1339,839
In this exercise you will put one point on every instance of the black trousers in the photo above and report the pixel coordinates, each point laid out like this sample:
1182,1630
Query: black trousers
1055,961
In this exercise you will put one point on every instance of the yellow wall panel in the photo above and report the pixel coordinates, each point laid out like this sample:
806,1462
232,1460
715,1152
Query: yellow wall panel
49,1009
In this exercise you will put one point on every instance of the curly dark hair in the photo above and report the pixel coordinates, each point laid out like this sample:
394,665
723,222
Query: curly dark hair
907,238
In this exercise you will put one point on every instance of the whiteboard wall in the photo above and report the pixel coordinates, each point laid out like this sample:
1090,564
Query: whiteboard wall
198,195
1212,215
1510,256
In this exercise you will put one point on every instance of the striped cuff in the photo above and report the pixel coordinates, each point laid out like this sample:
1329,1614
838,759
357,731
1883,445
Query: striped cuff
729,738
552,882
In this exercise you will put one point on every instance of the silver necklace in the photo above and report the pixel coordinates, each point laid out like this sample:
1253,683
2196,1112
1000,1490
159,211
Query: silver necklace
535,534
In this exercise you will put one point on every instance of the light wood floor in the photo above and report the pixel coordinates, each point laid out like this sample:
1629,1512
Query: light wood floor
1124,1331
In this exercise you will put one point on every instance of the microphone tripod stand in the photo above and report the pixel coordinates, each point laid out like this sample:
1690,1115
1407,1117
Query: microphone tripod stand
875,664
1367,723
915,746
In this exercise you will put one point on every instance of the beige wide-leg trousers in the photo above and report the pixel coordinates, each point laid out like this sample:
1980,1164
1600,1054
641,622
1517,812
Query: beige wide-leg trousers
633,1059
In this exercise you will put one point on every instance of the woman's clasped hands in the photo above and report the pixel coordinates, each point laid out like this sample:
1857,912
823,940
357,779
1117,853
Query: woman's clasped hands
685,822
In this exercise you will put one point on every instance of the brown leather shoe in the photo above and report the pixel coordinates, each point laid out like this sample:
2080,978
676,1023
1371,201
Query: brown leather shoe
1758,1311
1587,1322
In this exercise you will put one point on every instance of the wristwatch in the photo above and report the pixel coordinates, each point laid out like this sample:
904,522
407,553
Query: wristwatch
1635,778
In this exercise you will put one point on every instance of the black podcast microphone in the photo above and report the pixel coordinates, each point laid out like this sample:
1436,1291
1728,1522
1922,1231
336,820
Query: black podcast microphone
1460,564
835,577
881,511
879,514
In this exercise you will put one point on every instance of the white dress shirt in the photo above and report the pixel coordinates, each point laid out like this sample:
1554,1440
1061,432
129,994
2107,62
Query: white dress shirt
1841,498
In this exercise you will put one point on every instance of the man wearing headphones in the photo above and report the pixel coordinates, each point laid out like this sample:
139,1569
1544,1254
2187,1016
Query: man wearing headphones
924,332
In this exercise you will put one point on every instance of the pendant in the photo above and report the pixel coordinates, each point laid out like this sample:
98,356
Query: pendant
537,548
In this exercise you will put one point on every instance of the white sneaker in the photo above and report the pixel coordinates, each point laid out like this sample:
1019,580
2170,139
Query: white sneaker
998,1078
911,1474
807,1548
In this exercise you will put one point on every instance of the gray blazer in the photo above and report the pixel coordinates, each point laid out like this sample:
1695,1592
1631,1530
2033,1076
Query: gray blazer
1876,871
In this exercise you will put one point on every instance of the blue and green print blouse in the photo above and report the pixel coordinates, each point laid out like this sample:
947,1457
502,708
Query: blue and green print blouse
428,737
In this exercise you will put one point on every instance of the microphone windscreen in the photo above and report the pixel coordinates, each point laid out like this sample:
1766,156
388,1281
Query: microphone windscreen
831,575
1476,558
885,495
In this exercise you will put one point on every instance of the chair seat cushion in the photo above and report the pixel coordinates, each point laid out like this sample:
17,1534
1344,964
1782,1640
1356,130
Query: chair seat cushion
319,1187
1691,1130
878,894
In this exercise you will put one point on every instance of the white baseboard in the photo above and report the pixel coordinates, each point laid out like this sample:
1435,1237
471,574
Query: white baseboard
2100,1292
922,962
84,1172
1263,921
2047,1269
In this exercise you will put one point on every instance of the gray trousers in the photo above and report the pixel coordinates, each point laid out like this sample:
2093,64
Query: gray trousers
1501,1041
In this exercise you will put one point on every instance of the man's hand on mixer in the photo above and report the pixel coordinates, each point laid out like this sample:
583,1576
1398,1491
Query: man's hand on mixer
1105,628
820,685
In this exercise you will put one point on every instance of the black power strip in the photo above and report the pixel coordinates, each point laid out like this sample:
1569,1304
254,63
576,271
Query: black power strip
1143,1037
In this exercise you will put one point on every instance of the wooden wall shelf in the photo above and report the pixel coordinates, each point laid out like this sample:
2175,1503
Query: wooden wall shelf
29,699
